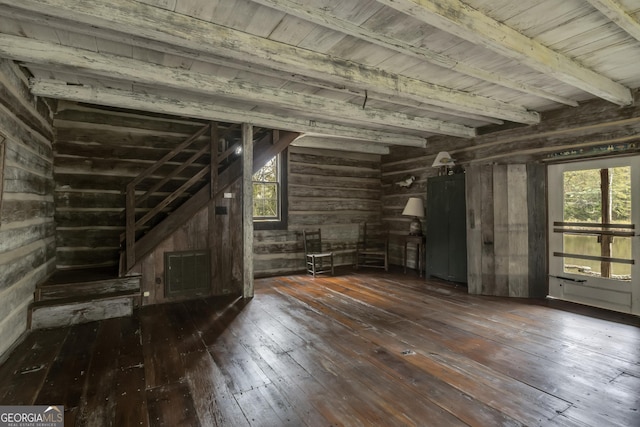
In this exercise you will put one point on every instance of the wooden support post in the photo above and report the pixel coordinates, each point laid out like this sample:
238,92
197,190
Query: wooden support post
247,209
130,237
214,158
213,239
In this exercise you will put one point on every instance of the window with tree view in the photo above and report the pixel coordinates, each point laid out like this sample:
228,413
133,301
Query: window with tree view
267,192
597,222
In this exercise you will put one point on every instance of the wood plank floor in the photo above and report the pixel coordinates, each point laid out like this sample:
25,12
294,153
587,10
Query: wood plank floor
365,349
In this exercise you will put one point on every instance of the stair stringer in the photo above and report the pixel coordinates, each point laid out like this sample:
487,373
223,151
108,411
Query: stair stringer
263,151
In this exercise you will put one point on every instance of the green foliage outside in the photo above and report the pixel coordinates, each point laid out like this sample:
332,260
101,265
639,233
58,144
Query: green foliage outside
582,201
265,191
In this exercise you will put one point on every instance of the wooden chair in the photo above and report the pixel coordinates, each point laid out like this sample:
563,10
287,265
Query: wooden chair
317,261
373,249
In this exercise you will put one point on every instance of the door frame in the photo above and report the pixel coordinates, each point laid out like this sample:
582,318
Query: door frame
594,291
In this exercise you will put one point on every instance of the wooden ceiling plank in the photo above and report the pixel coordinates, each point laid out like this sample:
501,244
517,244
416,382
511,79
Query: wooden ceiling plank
458,19
211,111
116,67
139,20
614,11
145,48
319,17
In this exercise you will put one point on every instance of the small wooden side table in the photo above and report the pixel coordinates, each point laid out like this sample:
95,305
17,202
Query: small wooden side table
420,242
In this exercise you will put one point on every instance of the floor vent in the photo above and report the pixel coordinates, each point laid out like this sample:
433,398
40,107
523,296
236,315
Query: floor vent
187,273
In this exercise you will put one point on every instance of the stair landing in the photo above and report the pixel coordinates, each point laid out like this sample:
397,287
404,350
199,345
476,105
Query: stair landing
79,296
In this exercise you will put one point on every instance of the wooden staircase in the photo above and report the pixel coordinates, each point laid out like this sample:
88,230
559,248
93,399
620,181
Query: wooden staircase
144,231
72,297
79,296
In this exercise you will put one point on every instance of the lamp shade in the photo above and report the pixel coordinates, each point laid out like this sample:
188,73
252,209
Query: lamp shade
442,159
414,207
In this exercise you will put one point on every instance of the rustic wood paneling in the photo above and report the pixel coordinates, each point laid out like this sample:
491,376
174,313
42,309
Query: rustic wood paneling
492,195
537,203
98,152
27,243
506,237
209,229
2,154
334,191
401,164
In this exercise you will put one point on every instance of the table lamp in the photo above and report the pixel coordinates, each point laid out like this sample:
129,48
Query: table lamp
414,208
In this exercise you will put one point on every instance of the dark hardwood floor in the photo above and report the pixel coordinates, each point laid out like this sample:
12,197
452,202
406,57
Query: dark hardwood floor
366,349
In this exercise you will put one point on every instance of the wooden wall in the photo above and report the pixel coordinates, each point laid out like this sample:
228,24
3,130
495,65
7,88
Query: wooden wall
400,164
27,230
508,187
506,244
97,152
335,191
209,229
506,230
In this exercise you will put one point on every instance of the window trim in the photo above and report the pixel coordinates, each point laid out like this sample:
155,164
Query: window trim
281,224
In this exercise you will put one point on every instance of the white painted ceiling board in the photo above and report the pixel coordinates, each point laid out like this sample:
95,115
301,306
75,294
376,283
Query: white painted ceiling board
352,66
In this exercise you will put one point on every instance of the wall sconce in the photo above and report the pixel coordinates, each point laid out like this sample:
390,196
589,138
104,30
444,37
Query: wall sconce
443,161
414,208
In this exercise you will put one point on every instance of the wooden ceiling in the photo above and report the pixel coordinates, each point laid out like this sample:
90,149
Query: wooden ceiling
367,73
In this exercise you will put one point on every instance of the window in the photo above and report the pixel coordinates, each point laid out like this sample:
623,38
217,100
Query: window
270,194
597,220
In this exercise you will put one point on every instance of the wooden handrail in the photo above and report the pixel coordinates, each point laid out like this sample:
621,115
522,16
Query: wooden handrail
173,174
168,156
268,147
132,226
173,196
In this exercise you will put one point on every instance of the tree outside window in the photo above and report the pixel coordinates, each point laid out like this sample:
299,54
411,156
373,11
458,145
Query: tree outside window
594,198
270,195
267,192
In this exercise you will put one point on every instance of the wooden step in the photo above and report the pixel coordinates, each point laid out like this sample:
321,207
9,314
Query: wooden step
93,288
58,312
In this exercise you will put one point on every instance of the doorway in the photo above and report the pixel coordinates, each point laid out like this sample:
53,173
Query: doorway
594,217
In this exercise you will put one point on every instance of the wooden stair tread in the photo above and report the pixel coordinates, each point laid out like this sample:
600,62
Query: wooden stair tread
81,309
91,288
85,298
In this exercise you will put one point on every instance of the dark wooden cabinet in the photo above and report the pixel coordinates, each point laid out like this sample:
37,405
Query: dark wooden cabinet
446,229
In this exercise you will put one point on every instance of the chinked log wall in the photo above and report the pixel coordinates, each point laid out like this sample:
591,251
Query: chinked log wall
97,153
332,190
506,188
27,230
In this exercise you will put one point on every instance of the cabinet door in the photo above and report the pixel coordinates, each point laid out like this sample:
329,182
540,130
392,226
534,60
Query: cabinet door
446,246
457,229
437,244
